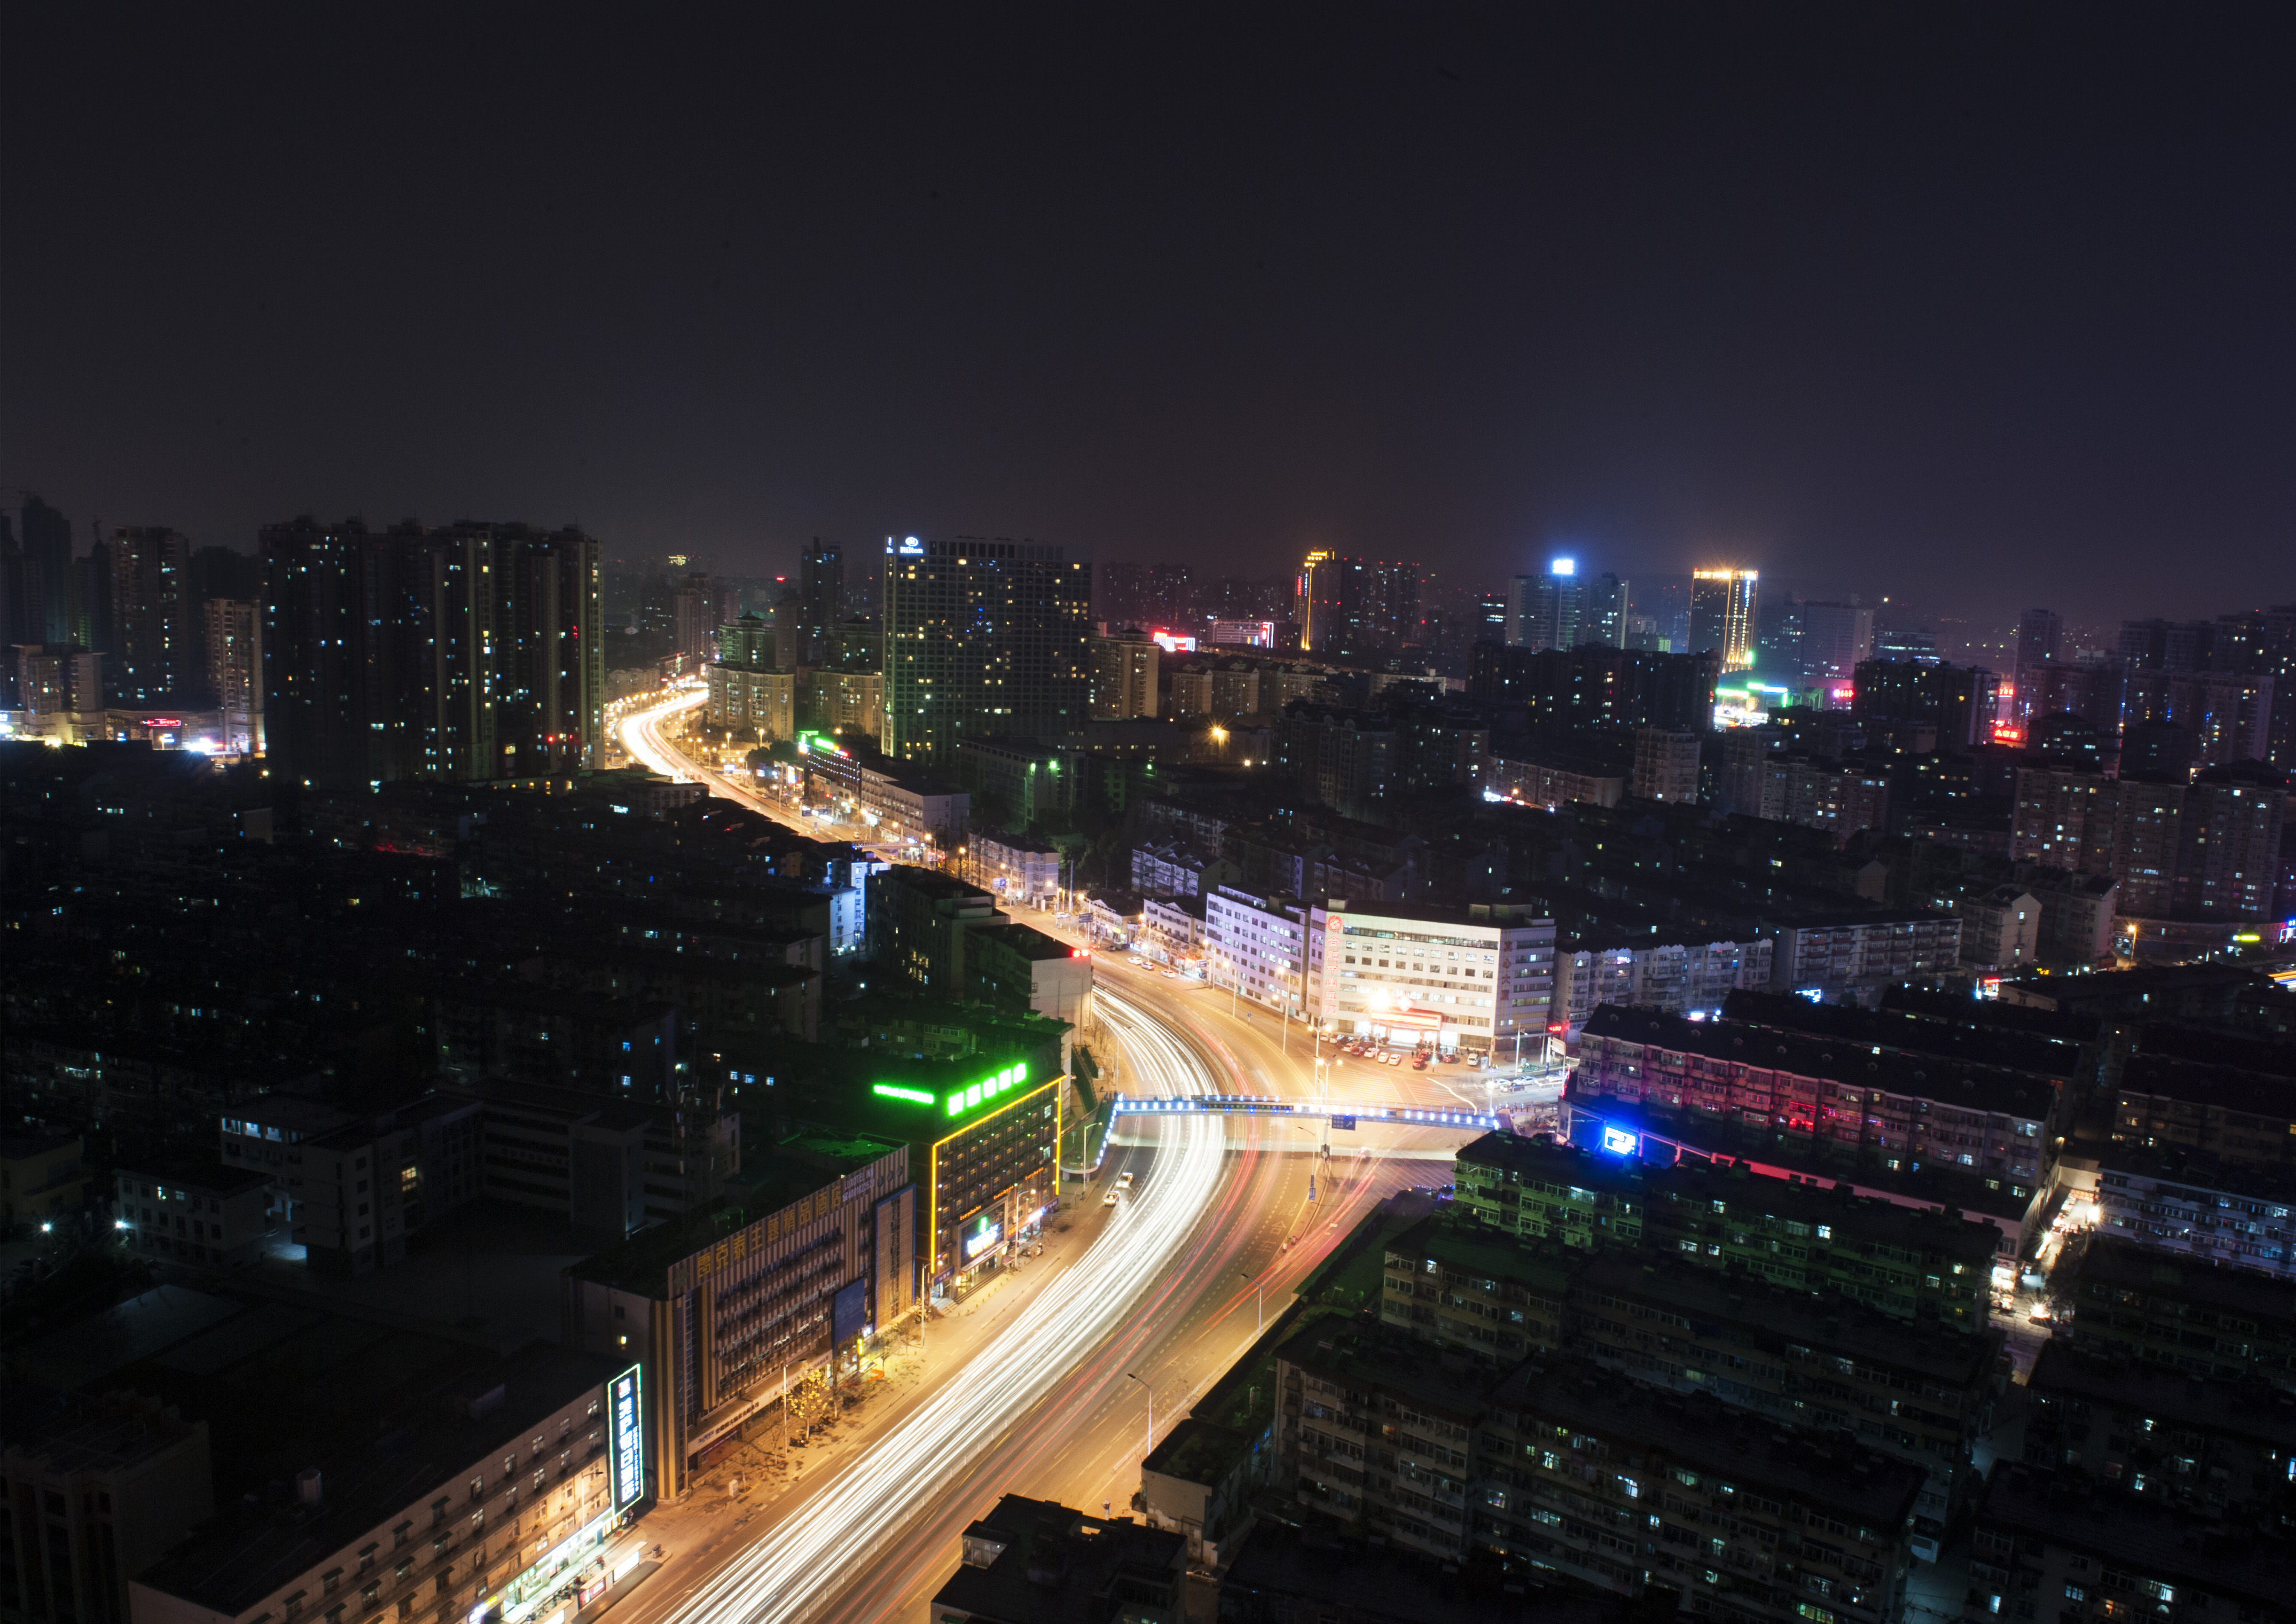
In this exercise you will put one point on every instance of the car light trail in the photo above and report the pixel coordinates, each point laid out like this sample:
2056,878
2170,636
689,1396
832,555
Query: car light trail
803,1565
639,738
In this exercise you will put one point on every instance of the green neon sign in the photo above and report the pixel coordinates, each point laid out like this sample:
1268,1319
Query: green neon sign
959,1101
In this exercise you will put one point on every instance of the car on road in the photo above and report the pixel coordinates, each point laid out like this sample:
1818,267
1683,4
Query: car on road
1124,1180
1109,1200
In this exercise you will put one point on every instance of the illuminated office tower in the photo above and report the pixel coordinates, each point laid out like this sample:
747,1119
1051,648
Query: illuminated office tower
1544,611
983,637
1722,614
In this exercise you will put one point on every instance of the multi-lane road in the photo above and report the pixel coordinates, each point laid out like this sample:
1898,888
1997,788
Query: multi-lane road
1056,1402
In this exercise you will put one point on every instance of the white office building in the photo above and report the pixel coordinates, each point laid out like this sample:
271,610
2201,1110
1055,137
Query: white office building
1257,944
1477,978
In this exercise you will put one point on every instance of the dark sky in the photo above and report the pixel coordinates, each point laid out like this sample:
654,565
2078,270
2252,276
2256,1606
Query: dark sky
1986,305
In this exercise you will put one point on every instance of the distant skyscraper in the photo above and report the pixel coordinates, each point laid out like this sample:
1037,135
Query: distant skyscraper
1356,605
1608,607
821,593
46,537
1544,611
1778,639
1490,617
157,654
983,637
1834,637
2039,631
1722,615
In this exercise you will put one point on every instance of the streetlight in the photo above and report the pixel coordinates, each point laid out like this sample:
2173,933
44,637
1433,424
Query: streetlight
1150,1449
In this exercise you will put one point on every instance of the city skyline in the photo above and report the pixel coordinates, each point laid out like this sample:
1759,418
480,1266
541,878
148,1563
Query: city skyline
1101,816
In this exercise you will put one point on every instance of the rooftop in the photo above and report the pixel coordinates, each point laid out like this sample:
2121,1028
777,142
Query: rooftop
1047,1563
1969,1042
1823,1470
1711,1299
1737,1188
1365,1354
1197,1452
1389,1583
2244,1410
435,1415
208,1173
1479,916
1843,1059
2155,1541
2205,1177
2249,1052
2116,1263
2196,1083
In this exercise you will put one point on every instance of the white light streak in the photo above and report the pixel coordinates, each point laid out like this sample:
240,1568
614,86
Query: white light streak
796,1569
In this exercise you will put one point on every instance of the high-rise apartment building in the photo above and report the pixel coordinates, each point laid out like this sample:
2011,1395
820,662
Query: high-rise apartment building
820,596
157,658
983,637
1722,614
472,652
232,632
1124,666
1356,605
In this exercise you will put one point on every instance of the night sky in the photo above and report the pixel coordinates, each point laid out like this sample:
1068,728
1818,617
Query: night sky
1984,306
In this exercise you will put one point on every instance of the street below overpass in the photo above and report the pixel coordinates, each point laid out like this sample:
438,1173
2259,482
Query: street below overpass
1043,1385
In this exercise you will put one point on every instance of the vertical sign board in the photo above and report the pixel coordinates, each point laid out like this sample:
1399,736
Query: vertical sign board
628,1439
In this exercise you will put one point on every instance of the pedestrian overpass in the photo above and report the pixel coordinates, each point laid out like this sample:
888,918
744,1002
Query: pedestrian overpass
1342,1114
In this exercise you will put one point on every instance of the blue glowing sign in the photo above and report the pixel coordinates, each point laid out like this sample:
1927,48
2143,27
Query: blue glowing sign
628,1446
1618,1141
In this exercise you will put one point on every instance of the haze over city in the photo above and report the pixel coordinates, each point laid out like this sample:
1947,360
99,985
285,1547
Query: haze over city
995,816
1972,307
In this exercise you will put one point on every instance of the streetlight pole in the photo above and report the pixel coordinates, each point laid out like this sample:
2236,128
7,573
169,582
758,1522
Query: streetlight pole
1150,1449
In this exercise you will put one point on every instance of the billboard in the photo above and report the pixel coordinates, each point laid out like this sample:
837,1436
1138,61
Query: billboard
626,1415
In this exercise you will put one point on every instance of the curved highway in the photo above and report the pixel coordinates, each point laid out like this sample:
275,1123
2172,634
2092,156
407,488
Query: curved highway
808,1560
1056,1405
